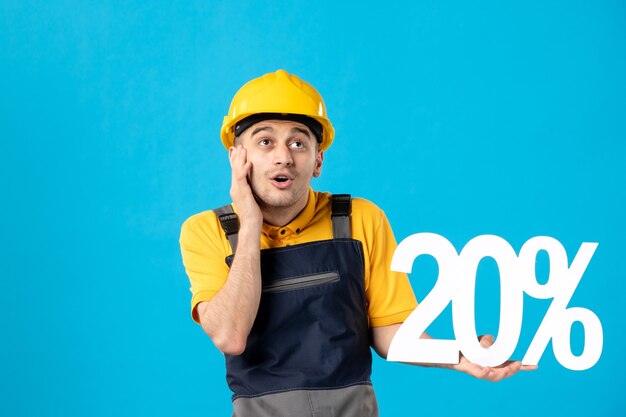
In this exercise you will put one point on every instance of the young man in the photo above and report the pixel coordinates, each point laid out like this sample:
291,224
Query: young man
292,285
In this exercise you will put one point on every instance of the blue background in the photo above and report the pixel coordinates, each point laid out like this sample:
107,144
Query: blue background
460,118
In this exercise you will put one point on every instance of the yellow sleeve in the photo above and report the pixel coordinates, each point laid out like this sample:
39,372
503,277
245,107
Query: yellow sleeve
390,296
204,250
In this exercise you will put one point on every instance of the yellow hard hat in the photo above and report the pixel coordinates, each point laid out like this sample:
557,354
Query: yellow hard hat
282,96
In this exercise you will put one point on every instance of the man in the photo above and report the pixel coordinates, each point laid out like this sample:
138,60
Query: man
309,287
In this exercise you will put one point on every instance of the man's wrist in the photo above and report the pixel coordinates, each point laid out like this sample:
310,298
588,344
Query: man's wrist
250,229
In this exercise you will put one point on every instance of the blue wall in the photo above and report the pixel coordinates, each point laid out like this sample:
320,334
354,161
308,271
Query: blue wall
456,118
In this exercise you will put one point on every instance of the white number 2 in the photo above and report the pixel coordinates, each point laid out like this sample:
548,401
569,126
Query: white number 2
407,345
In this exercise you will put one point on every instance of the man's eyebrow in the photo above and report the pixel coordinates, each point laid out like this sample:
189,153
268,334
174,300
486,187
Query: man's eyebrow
301,130
262,128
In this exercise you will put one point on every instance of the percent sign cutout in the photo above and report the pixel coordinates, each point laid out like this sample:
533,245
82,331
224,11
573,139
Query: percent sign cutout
456,283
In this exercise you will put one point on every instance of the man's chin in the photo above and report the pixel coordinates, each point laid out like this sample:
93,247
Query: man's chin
276,201
276,204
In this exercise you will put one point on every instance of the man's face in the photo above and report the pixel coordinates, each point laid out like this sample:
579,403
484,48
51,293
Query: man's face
284,157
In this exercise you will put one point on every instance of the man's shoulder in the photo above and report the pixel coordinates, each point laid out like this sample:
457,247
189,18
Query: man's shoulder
358,203
365,206
203,223
364,211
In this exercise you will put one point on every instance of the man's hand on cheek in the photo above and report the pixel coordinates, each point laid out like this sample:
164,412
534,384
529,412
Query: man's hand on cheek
240,190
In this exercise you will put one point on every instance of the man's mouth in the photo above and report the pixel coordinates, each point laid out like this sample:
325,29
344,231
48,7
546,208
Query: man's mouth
281,181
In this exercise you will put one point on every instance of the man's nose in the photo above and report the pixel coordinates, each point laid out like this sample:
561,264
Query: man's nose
282,155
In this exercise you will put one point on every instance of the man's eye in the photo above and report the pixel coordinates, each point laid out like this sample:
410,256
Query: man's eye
297,145
264,142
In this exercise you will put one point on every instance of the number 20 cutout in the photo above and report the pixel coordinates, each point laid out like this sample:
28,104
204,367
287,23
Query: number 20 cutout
456,283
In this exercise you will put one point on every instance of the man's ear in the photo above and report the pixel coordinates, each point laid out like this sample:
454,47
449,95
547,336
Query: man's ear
319,158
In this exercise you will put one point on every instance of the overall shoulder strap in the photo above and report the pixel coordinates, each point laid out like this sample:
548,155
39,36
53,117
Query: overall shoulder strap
341,208
230,224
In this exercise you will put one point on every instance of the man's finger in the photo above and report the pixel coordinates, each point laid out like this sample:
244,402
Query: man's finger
486,340
480,372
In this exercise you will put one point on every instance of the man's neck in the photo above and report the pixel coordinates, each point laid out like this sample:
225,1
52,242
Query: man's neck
281,216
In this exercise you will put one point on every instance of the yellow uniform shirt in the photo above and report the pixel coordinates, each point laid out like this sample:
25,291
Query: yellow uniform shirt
389,295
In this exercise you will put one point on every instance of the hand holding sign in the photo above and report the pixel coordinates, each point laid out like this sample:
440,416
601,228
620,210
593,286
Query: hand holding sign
456,283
